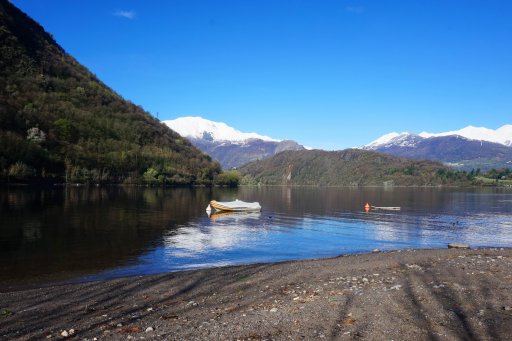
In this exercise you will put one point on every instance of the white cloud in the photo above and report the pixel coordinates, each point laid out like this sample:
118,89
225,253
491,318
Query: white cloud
125,14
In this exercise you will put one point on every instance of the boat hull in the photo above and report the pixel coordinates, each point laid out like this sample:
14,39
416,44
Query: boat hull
235,206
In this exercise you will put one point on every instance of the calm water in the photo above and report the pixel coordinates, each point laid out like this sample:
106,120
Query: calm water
78,234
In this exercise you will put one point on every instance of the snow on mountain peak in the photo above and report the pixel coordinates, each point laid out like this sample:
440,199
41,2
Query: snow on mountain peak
384,139
198,127
402,139
502,135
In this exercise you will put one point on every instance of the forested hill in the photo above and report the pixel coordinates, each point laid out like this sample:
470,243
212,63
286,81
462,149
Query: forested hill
60,123
350,167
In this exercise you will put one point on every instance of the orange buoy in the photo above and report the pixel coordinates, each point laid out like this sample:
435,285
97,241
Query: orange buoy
367,207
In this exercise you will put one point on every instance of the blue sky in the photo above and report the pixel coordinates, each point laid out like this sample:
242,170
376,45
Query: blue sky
328,74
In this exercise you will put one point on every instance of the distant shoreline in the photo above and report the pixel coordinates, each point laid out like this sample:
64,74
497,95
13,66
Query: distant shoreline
64,185
406,294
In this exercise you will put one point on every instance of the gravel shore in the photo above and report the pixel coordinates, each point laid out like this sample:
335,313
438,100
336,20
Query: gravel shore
446,294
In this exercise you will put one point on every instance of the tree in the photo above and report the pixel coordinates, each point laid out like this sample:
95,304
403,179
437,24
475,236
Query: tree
19,170
150,175
228,179
63,129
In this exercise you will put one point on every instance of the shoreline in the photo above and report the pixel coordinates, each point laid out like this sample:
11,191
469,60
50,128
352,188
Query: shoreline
414,293
48,281
43,184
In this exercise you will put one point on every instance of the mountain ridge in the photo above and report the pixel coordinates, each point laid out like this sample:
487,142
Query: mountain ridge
231,147
60,123
196,127
501,135
349,167
465,149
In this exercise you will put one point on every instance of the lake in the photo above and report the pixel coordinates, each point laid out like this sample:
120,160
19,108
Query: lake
79,234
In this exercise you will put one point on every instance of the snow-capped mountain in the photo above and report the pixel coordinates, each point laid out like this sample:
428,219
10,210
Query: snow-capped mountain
200,128
394,139
467,148
502,135
231,147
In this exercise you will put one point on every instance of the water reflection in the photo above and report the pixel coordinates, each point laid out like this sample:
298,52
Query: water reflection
233,217
96,233
69,232
225,231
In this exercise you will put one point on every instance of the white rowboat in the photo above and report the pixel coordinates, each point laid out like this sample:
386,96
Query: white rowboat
235,206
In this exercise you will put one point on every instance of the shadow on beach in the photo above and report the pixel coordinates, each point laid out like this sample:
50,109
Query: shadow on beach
410,294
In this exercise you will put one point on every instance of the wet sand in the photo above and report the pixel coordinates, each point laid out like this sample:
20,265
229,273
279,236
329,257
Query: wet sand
448,294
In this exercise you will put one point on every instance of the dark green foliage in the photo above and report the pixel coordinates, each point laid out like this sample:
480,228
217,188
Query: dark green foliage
499,174
494,177
410,169
63,130
228,179
85,131
349,167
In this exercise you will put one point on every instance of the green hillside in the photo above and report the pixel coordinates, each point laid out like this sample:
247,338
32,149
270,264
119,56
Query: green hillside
58,122
350,167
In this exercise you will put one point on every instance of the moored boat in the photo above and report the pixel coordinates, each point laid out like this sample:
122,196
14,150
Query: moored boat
235,206
386,208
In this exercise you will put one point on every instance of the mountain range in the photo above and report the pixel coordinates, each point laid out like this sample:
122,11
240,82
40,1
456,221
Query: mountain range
502,135
465,149
231,147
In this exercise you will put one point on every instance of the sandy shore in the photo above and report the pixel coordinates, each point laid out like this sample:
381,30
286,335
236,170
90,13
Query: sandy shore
400,295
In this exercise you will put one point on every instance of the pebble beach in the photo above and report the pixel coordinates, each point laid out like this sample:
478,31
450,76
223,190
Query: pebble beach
442,294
